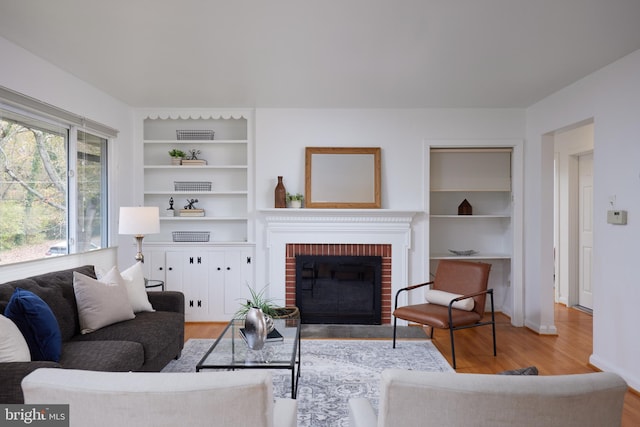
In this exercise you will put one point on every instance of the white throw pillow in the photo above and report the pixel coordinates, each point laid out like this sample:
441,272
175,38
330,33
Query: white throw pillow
134,281
13,346
435,296
101,303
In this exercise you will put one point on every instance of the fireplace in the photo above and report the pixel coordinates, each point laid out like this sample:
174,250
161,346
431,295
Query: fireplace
339,289
337,232
351,254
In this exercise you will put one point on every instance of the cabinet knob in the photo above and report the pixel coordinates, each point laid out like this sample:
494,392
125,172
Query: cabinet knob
228,268
160,268
170,268
219,269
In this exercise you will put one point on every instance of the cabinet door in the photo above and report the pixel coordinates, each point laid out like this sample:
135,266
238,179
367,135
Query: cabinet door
217,274
154,265
231,274
233,281
188,272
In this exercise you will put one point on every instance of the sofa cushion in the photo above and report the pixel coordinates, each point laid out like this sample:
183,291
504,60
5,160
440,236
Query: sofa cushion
101,303
435,296
56,289
114,356
153,330
37,323
13,347
134,282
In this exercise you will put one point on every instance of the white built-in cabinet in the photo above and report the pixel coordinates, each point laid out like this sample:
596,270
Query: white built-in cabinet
482,172
212,273
213,280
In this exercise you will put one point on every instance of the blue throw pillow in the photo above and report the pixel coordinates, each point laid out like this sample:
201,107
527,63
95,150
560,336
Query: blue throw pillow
37,323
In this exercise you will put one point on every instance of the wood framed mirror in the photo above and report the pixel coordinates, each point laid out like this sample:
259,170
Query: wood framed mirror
342,177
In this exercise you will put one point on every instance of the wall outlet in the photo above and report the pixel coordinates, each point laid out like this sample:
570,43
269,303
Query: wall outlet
617,217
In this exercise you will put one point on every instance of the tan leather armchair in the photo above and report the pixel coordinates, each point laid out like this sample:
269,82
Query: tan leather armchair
456,300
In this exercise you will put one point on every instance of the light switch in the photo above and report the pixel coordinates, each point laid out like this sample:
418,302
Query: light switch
617,217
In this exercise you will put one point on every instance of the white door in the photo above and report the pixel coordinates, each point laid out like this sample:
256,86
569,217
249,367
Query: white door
585,223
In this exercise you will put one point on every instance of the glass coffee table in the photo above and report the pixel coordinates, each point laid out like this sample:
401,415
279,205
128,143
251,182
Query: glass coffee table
231,352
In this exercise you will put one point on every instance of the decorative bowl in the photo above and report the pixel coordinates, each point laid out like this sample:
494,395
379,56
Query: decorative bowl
467,252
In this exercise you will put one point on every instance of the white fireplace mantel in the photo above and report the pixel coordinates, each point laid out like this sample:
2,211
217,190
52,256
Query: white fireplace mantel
337,226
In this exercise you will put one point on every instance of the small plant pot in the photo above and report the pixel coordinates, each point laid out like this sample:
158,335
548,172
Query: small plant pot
295,204
176,161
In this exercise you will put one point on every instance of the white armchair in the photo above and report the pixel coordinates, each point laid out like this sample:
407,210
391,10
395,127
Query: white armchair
241,398
418,399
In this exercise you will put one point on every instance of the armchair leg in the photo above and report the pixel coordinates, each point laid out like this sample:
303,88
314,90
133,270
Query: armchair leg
453,348
395,321
495,352
493,324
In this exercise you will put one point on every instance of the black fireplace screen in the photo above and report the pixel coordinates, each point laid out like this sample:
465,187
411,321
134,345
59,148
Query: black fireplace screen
339,289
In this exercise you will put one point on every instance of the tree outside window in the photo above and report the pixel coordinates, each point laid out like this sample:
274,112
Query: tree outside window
38,218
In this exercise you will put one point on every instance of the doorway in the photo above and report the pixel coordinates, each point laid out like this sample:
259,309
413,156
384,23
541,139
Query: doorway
573,210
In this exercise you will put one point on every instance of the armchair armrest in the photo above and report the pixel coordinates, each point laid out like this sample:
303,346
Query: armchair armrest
410,288
167,301
285,412
11,376
486,291
361,413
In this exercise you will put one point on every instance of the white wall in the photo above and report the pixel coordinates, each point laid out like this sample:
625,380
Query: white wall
283,134
32,76
611,97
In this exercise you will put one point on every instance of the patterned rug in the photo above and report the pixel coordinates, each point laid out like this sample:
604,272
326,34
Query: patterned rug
334,371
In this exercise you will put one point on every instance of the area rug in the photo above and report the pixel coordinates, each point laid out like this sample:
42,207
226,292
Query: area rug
364,332
334,371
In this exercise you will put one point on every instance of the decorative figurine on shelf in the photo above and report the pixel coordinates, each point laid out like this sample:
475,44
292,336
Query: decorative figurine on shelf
191,204
170,210
193,154
192,159
191,210
465,208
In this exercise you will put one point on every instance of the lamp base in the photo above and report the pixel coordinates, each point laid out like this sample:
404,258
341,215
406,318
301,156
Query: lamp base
139,255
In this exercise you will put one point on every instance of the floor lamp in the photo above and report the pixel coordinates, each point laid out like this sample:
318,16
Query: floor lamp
139,221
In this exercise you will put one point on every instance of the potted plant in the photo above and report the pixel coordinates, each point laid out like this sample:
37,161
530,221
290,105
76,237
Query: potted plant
258,300
176,156
294,200
268,307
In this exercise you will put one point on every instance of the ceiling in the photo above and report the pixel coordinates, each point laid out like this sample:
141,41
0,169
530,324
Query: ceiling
326,53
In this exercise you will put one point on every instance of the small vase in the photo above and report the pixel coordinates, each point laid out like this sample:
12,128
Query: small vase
255,328
280,195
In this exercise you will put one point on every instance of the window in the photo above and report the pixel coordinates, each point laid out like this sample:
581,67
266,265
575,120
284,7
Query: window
53,195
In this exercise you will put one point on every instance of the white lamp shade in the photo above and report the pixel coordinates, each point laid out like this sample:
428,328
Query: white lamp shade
139,220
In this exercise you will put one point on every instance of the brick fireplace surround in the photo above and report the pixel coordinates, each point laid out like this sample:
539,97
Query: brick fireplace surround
384,251
375,232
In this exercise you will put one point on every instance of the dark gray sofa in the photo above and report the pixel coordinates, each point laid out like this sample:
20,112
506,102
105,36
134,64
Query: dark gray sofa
146,343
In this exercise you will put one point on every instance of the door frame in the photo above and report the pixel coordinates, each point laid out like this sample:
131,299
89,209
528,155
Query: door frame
566,211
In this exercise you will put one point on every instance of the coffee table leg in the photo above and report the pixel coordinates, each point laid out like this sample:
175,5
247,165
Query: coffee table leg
295,376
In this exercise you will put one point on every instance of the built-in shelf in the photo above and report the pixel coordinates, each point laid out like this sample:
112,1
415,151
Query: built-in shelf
228,172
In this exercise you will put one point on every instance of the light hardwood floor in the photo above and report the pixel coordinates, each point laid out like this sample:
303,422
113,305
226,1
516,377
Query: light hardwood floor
566,353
